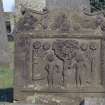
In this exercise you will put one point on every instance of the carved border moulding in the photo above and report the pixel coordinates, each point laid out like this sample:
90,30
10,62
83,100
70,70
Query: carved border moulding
54,99
61,64
61,21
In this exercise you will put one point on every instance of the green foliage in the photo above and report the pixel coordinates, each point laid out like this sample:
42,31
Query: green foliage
97,5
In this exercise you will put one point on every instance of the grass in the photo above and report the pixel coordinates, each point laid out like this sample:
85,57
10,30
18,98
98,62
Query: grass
6,77
6,72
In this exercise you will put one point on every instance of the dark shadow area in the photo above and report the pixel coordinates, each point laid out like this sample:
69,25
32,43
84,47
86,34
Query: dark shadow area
82,103
6,95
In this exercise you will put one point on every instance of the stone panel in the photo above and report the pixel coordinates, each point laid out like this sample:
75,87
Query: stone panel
65,63
56,65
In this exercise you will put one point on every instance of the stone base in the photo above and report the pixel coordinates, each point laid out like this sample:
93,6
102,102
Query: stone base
94,101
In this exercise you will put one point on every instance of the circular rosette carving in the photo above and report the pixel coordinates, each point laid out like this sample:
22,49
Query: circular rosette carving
65,50
37,45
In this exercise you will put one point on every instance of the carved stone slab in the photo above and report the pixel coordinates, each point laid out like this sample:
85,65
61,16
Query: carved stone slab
57,63
65,63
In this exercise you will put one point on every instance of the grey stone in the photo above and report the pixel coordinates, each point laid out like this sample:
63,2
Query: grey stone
17,104
32,4
56,62
94,101
68,4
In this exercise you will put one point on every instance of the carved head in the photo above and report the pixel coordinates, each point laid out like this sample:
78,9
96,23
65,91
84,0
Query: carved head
50,57
37,45
84,46
93,46
79,58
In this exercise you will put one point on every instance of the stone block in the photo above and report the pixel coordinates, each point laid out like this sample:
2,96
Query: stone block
94,101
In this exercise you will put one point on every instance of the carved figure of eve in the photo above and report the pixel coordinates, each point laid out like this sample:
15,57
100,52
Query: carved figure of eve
51,68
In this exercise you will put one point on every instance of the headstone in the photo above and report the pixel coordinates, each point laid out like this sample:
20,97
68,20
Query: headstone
4,55
77,5
59,58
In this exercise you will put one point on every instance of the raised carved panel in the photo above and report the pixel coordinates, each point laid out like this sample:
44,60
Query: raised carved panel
65,63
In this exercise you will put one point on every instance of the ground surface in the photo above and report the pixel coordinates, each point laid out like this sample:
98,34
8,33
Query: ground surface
6,77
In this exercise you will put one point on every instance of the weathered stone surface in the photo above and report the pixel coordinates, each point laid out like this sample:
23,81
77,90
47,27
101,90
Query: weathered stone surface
61,21
15,104
94,101
57,65
77,5
65,63
58,58
32,4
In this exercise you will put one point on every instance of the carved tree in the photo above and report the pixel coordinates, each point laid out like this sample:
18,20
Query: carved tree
66,51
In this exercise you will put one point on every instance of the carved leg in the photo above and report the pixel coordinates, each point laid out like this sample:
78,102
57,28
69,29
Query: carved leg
91,64
76,75
80,80
63,74
50,80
